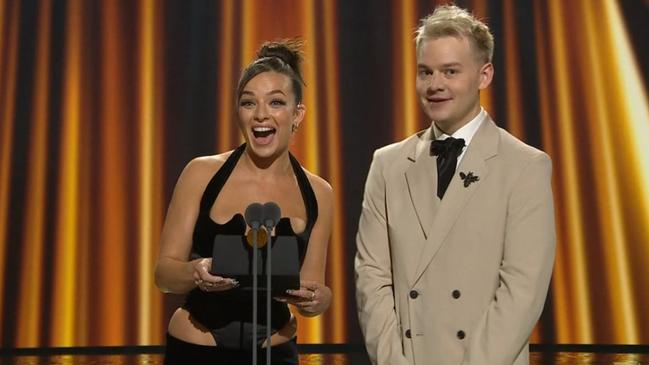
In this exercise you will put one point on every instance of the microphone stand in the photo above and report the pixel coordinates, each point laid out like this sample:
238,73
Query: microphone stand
254,218
272,213
268,294
254,295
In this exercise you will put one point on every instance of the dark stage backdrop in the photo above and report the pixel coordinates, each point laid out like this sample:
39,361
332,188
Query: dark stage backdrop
102,103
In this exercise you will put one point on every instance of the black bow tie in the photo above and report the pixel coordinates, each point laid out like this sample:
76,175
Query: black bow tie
447,151
443,147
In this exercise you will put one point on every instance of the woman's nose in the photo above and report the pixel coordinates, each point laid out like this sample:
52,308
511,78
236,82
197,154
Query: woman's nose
260,112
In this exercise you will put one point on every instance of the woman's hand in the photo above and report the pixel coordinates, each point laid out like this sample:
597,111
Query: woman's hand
208,282
312,299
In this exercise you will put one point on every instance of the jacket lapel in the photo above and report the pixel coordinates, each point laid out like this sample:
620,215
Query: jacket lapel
482,147
421,179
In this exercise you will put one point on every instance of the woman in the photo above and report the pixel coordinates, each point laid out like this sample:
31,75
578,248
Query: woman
209,198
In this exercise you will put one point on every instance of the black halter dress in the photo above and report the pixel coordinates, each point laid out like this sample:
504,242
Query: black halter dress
228,314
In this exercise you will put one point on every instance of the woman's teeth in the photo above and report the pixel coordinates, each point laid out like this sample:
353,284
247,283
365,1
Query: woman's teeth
262,131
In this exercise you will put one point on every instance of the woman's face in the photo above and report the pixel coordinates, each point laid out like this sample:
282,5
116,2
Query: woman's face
268,112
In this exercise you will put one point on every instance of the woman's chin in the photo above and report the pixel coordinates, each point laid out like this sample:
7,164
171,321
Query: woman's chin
265,147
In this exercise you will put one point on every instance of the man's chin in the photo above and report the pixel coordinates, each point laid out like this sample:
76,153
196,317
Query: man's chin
437,117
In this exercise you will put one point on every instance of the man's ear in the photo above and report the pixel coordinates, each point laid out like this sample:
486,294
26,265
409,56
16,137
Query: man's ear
486,75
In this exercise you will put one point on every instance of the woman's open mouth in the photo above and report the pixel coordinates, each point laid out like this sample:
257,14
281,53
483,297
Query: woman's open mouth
263,135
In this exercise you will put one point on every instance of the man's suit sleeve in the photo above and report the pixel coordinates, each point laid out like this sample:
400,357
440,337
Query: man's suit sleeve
374,291
526,268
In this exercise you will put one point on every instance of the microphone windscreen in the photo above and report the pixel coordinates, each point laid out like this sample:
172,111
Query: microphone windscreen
254,215
272,213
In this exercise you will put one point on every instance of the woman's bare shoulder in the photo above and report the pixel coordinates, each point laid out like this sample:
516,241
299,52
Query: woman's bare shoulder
321,187
201,169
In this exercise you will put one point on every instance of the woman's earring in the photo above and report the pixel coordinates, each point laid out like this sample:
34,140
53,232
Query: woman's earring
293,128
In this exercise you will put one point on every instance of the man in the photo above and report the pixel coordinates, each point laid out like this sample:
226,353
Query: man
456,237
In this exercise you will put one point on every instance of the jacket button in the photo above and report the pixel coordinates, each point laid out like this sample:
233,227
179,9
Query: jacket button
408,333
461,335
456,293
414,294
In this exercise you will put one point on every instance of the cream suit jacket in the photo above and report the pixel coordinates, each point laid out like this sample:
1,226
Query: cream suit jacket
462,280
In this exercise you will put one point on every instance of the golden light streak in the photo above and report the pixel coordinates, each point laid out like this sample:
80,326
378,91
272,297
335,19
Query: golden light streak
29,301
248,29
632,99
632,111
480,10
7,100
564,126
310,128
512,73
3,38
225,93
148,306
405,70
248,13
310,330
159,324
63,319
338,256
112,195
84,269
559,292
620,296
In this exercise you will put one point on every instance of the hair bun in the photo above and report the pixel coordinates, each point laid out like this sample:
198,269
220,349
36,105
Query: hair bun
287,50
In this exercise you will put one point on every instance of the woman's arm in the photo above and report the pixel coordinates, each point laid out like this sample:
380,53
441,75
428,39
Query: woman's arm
173,272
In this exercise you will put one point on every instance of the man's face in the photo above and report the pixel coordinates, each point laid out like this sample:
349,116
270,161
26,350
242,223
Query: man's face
449,78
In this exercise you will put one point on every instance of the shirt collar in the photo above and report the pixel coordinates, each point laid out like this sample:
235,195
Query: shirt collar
466,132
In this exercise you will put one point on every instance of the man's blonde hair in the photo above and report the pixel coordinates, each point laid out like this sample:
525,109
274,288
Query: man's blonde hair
450,20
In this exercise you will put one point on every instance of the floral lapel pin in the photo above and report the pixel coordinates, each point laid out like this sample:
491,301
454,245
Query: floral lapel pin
468,178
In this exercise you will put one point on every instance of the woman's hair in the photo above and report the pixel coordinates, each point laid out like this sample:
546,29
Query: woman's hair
281,56
450,20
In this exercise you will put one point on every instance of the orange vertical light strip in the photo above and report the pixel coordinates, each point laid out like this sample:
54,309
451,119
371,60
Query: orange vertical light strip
632,102
149,305
64,283
336,262
576,248
611,215
31,273
2,36
311,127
612,96
225,93
480,10
85,217
248,15
113,192
632,112
310,330
513,85
7,108
404,71
159,324
560,292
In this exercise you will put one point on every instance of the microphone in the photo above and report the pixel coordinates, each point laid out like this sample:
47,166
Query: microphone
254,215
271,215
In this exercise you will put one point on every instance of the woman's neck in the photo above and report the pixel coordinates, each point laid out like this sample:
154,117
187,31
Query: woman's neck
267,167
